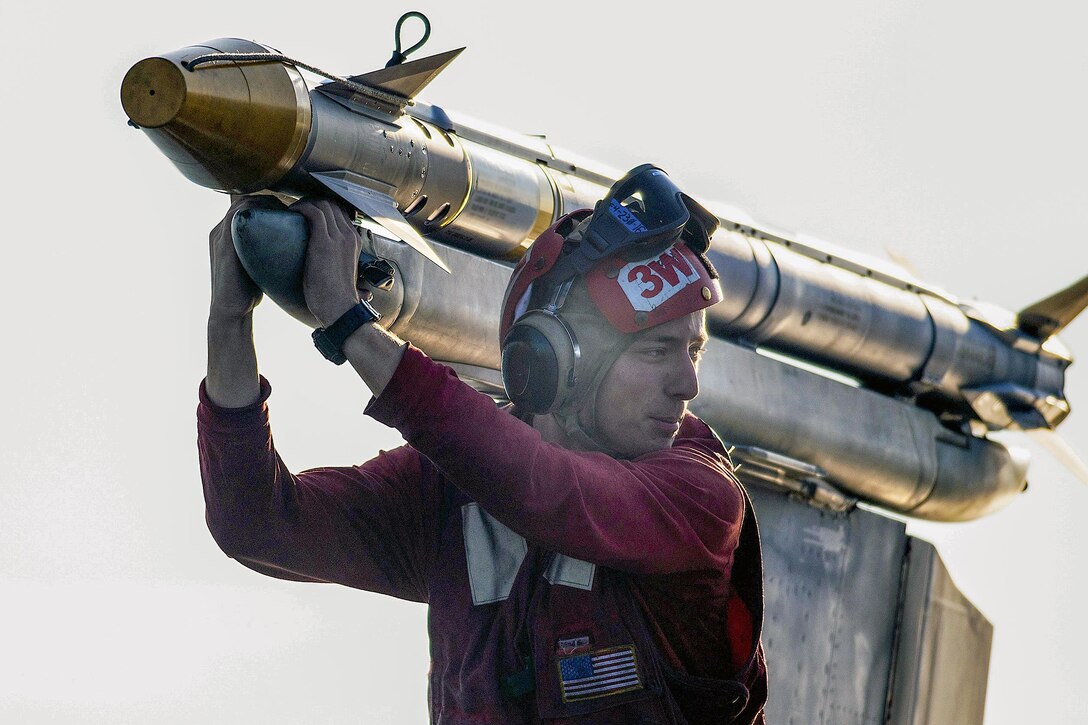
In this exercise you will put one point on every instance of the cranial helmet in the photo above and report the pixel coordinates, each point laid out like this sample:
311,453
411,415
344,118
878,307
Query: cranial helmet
590,283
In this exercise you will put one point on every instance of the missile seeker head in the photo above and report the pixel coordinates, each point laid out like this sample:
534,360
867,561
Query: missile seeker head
234,127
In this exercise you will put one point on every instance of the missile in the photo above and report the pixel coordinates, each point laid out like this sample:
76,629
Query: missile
242,126
886,387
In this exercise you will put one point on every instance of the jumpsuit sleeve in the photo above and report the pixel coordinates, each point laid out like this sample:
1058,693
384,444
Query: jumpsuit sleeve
679,509
370,527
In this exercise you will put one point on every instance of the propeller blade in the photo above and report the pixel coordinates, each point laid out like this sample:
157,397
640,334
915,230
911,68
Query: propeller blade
1062,451
901,260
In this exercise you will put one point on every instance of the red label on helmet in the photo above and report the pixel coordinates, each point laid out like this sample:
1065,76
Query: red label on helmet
636,295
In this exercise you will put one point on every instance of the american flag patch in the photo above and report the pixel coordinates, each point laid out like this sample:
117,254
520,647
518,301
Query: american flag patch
606,672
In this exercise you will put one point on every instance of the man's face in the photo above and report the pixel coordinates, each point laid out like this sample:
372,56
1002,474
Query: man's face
646,391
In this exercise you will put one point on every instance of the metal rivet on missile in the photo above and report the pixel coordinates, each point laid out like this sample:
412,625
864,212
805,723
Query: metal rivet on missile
640,318
706,293
613,273
390,148
385,134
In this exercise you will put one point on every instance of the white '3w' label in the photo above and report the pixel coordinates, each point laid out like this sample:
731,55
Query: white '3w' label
652,282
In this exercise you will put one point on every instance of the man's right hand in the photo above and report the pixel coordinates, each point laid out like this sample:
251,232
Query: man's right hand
234,294
232,360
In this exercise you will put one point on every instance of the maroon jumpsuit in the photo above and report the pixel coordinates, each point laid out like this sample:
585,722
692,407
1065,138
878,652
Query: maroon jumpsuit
562,586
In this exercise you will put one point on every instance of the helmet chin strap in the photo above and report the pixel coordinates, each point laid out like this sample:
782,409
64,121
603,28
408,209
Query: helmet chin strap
581,438
602,346
580,423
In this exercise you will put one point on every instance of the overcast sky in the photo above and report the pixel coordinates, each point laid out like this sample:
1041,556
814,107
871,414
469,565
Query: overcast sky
950,132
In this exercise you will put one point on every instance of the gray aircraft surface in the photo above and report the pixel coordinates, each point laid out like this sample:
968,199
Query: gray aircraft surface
846,387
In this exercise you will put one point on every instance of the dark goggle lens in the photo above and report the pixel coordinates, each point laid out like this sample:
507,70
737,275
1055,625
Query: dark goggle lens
644,209
647,202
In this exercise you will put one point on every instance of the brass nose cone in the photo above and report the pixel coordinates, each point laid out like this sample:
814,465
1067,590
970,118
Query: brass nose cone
153,92
227,126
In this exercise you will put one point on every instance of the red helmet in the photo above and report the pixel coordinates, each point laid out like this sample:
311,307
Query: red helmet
640,256
632,294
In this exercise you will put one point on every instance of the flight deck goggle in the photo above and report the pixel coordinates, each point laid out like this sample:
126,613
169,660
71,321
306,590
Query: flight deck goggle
644,210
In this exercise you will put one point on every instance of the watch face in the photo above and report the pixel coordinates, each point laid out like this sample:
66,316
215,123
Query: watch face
327,347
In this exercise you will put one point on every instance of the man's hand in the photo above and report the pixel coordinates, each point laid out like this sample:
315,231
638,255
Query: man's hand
234,294
232,360
329,283
332,259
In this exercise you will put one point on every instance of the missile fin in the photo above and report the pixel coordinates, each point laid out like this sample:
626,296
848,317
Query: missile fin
1048,316
381,208
410,77
389,90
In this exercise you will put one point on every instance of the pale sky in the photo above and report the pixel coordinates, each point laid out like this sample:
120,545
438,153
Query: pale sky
951,132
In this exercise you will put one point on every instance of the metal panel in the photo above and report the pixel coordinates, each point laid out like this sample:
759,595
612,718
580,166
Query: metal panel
832,591
944,648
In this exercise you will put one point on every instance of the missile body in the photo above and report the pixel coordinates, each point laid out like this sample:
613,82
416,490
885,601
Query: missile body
890,334
931,375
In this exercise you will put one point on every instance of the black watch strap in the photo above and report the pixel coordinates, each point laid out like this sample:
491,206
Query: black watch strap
330,340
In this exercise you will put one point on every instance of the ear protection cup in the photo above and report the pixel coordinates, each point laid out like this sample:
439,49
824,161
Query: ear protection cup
539,361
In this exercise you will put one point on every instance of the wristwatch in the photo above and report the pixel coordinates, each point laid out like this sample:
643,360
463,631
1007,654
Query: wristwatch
330,340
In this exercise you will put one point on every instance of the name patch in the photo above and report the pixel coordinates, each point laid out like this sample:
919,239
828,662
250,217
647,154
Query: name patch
570,645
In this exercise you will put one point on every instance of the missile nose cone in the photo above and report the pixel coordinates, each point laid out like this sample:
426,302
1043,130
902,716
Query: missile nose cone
153,92
226,126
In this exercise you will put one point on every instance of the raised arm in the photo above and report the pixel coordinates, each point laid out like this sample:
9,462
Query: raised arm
369,527
673,510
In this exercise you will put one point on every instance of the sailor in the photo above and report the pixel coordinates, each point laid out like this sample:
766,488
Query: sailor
587,553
